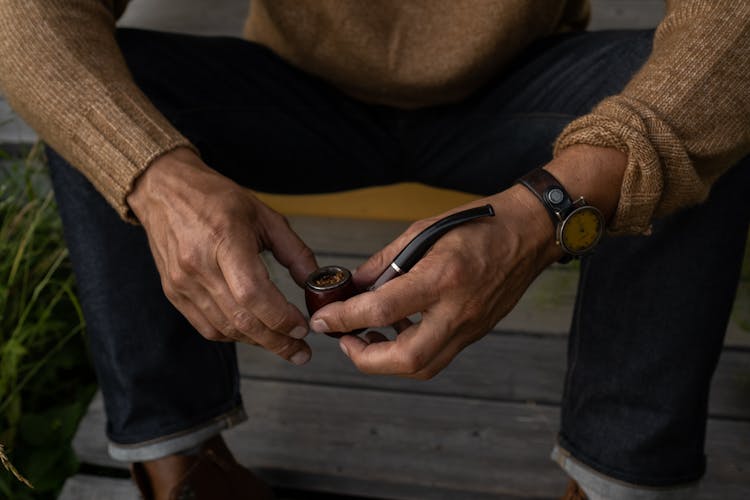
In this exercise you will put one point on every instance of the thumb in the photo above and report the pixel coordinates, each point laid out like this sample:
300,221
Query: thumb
288,248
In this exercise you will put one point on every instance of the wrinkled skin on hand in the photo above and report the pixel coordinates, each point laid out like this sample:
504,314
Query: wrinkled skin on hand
206,234
471,278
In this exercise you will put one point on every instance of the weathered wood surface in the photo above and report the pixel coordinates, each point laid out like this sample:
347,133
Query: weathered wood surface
85,487
438,443
312,436
13,130
225,17
502,367
630,14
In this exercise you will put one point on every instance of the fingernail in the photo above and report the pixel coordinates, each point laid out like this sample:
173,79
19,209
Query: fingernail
300,358
343,348
298,332
320,326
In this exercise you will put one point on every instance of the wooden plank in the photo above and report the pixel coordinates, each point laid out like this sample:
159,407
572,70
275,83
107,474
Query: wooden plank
13,130
84,487
342,236
625,14
730,388
88,487
728,450
738,332
224,17
436,443
515,367
310,436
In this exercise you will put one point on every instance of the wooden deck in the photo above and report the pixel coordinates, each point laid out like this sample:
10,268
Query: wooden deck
482,429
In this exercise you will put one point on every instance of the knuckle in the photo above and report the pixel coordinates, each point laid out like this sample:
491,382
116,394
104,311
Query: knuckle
473,309
243,321
452,273
306,253
178,277
272,218
286,349
279,322
419,226
172,295
247,294
412,363
213,335
379,312
189,259
228,329
280,219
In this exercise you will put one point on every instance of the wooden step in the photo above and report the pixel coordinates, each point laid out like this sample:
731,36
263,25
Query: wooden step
405,445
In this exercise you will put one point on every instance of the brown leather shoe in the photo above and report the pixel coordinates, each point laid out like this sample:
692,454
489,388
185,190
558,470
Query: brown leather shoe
574,492
211,474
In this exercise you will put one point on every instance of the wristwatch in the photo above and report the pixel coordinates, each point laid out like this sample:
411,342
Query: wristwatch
578,226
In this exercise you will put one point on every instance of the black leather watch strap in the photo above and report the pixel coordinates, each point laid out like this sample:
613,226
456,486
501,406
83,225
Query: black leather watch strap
550,192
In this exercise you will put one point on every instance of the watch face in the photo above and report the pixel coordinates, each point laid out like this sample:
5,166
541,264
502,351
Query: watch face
581,230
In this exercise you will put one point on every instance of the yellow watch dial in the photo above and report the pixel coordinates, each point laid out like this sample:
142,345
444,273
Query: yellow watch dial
581,230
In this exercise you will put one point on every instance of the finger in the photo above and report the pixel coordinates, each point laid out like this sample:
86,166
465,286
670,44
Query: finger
202,299
288,248
367,273
443,359
252,290
233,313
199,321
411,352
293,350
397,299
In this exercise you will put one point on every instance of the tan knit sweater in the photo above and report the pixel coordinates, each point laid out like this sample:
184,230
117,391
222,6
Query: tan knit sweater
682,120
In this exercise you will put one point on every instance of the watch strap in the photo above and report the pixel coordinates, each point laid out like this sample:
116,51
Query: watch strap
550,192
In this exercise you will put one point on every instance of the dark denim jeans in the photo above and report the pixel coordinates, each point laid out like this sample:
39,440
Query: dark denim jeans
651,311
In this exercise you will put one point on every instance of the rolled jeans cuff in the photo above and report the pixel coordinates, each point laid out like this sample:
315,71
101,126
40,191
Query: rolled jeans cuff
598,486
177,442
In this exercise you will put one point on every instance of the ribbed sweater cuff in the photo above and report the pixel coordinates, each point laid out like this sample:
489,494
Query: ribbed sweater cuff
659,177
116,142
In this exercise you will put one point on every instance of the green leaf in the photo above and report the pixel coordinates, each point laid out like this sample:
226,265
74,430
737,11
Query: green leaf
53,427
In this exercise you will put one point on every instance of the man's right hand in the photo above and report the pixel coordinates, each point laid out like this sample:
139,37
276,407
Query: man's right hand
206,233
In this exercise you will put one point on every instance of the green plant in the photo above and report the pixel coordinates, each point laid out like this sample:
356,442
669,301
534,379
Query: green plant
46,380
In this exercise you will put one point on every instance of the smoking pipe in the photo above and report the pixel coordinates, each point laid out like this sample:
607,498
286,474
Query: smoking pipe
334,283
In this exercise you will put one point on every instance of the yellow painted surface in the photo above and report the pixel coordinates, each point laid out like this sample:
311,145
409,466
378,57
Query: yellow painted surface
406,201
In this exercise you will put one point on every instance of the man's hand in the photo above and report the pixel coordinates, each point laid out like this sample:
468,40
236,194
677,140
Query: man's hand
206,234
471,278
